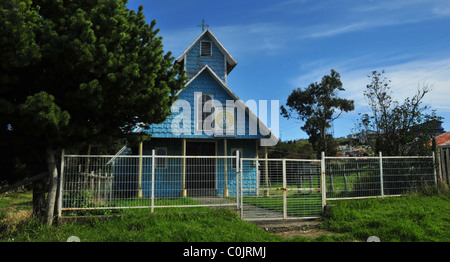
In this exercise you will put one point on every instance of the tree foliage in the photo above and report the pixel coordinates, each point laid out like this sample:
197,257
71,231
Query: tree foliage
80,72
301,149
318,106
398,128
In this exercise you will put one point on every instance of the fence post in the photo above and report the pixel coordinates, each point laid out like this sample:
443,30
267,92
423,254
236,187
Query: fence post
284,190
266,172
434,169
183,179
381,174
140,170
225,167
239,190
59,207
323,185
153,181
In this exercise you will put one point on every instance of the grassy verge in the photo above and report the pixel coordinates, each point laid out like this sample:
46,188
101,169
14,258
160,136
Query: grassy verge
413,218
131,225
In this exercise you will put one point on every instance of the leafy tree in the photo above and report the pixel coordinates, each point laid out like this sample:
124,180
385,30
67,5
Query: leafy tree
400,128
18,49
318,106
293,148
80,72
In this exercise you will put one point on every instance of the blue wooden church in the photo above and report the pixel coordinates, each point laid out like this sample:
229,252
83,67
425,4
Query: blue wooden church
233,127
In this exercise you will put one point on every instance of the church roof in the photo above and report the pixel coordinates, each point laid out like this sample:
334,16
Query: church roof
231,62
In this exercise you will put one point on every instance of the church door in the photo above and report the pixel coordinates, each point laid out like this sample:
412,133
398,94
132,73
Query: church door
201,172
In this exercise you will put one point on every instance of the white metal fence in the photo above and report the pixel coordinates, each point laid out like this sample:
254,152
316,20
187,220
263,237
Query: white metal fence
362,177
282,189
258,188
118,182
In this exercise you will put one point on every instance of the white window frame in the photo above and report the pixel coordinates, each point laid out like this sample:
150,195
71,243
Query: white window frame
163,163
210,50
199,117
233,161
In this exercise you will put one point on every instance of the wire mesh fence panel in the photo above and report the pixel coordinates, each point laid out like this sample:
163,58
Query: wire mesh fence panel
101,182
403,174
262,195
359,177
194,181
114,182
280,189
303,187
352,177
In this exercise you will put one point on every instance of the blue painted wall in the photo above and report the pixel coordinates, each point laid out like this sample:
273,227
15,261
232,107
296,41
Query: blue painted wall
195,62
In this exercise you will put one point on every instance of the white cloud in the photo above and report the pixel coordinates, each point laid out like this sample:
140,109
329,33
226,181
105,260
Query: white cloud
355,16
405,79
442,10
256,38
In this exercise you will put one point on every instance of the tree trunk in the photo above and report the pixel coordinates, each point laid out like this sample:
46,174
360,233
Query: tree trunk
324,137
38,199
53,185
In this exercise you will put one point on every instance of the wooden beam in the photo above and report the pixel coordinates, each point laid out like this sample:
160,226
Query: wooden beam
26,181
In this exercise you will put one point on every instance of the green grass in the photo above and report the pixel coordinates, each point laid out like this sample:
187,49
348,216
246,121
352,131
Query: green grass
17,201
198,224
141,226
414,218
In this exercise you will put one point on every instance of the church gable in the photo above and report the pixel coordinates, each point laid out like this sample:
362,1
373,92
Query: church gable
203,53
207,50
204,82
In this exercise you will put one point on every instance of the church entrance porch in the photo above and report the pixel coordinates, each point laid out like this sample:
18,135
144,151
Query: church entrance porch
201,170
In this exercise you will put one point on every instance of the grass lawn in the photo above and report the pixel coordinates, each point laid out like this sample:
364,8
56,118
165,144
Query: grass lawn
415,218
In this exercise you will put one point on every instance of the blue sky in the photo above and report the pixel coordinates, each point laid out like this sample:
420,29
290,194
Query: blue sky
286,44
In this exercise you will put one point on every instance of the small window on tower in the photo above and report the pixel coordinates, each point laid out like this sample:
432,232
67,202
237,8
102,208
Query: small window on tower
205,48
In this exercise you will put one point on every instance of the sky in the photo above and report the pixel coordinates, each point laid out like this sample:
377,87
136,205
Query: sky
288,44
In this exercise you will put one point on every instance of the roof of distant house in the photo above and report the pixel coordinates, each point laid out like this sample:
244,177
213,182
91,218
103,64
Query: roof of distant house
444,139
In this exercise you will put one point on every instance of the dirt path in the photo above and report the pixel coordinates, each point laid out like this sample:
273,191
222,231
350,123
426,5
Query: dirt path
294,228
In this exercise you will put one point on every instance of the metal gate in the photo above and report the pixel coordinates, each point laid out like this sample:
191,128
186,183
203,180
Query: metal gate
147,181
280,189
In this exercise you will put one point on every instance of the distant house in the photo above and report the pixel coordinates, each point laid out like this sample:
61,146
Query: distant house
362,137
443,145
187,133
433,127
443,140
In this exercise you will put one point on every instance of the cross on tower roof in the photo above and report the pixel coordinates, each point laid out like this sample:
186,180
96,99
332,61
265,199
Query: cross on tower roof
203,25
